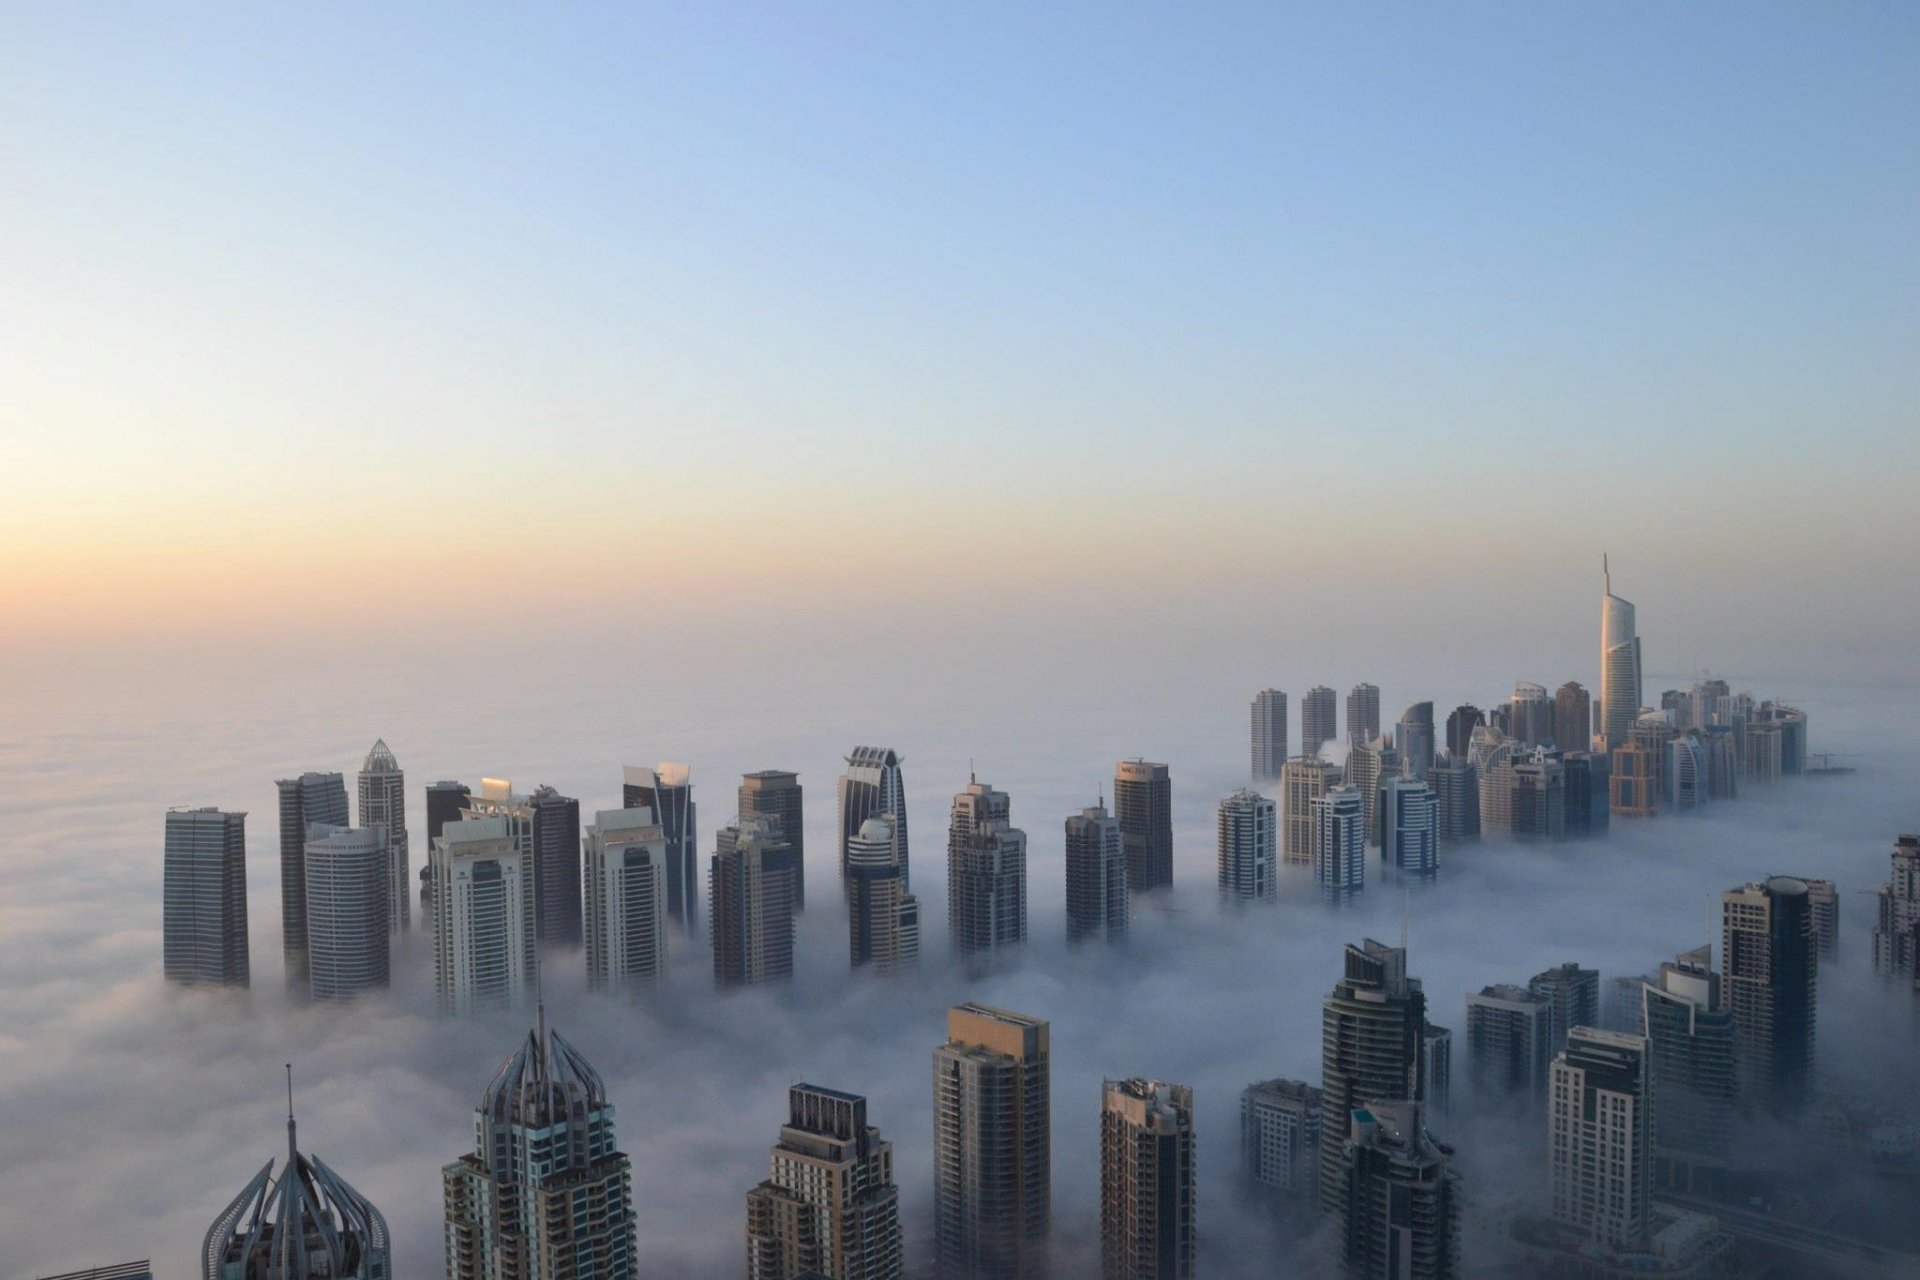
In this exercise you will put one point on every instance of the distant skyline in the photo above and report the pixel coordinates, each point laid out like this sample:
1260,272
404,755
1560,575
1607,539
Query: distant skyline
683,316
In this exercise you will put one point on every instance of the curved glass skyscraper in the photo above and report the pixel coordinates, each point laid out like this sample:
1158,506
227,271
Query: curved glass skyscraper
1619,665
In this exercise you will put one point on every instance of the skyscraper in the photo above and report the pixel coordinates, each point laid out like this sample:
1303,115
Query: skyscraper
1600,1137
1436,1070
1686,784
1363,713
1762,761
203,931
1371,1025
1400,1201
1634,780
776,793
752,902
1530,714
872,785
485,954
447,801
1823,907
1303,780
1509,1044
307,1224
986,873
1097,898
1368,762
667,789
497,799
829,1206
1245,824
348,921
1769,967
1690,1039
546,1193
1269,733
311,797
1456,798
992,1138
1461,722
1340,844
1413,740
1143,805
383,804
1896,930
1280,1136
626,892
883,919
1584,783
1574,994
1573,717
1537,806
1147,1203
556,867
1619,666
1409,828
1317,713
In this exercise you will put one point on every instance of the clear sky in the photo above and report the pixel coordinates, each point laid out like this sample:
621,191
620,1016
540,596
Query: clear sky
663,310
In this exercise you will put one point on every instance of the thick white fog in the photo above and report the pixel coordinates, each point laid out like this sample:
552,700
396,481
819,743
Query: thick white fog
132,1112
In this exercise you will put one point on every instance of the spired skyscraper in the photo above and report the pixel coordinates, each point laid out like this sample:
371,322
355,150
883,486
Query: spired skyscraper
752,900
546,1193
1097,897
309,798
872,786
1269,734
348,920
204,898
993,1145
883,919
1769,969
1619,666
1363,713
829,1207
1147,1201
776,793
626,891
667,789
1246,822
485,953
986,873
308,1224
1143,803
383,804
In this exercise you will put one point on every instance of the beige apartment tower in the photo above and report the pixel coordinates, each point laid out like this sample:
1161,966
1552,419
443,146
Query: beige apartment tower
829,1206
1303,780
993,1145
1146,1181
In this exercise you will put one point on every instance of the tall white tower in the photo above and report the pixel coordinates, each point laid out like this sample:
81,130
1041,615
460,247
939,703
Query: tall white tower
1619,665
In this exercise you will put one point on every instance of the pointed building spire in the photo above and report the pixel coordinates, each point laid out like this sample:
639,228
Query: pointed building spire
1606,574
293,1149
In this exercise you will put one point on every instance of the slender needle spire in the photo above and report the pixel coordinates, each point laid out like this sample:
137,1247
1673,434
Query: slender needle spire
293,1150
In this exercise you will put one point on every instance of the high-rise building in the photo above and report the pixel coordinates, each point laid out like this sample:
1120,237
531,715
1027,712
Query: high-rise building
348,920
1456,798
1340,844
986,873
309,798
1269,714
1509,1044
776,793
1147,1202
1400,1202
447,801
497,799
1574,994
383,804
829,1206
1687,784
1769,967
1317,720
1619,667
1896,930
1537,804
1583,776
1303,780
1493,759
1436,1070
1097,898
1245,823
1363,713
1573,717
307,1224
1600,1137
485,955
1723,763
1413,739
546,1193
1621,1002
1792,725
667,789
1368,762
1280,1136
1823,905
1461,722
556,867
203,929
993,1146
626,892
1143,805
1530,714
871,786
883,919
751,894
1763,757
1371,1026
1691,1040
1634,781
1409,828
